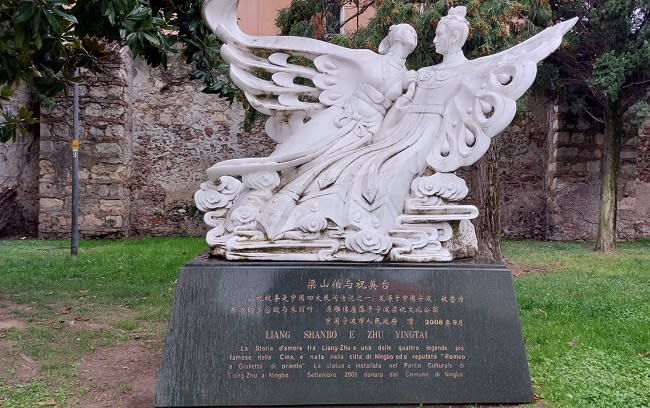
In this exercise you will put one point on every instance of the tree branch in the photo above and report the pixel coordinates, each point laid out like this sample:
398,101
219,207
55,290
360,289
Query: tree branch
636,84
360,10
599,120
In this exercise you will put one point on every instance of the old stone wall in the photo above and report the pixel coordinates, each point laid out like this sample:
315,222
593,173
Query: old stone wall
178,133
522,163
574,166
642,194
147,138
573,193
105,156
19,178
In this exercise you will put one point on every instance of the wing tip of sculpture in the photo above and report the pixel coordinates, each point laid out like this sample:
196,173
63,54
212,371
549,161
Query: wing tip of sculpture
568,25
220,13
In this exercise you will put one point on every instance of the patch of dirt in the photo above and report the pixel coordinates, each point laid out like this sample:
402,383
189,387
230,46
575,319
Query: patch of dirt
518,270
8,318
12,324
15,367
119,377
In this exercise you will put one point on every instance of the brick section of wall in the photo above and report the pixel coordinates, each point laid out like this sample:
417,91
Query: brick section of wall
628,201
19,178
104,156
643,153
521,174
178,133
574,175
642,208
573,193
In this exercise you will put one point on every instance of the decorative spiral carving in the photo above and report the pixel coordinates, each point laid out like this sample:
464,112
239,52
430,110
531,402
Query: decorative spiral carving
211,197
229,186
243,215
369,240
263,180
443,185
313,222
208,199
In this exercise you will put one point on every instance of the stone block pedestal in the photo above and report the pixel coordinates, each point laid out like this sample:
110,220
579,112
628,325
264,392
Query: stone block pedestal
287,334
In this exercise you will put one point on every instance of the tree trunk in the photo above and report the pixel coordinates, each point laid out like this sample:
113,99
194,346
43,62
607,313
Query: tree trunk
485,194
7,209
606,240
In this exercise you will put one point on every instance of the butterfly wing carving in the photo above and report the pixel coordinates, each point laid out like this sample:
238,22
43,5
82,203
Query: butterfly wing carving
286,76
485,102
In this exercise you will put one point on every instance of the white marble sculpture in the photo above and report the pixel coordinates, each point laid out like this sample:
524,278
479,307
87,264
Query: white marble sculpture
366,150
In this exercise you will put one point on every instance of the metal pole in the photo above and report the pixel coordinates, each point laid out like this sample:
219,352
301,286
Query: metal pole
74,222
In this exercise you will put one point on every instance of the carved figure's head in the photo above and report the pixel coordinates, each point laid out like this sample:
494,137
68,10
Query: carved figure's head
452,31
401,38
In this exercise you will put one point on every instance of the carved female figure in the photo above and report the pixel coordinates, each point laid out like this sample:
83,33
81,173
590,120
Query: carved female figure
373,181
352,114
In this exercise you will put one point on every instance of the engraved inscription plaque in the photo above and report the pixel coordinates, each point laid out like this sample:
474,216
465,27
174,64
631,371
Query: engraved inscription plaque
342,334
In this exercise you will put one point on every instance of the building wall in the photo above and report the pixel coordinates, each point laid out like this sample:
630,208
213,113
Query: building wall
350,9
642,190
257,17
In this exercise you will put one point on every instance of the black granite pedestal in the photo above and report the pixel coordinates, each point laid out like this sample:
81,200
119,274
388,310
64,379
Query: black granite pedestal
287,334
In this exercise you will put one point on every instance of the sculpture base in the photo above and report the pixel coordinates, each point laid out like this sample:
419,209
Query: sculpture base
420,241
245,334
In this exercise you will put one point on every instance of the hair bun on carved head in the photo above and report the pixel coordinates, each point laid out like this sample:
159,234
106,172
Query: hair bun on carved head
457,14
459,11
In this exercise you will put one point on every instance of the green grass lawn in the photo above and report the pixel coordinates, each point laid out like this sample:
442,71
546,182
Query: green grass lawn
124,288
586,322
585,316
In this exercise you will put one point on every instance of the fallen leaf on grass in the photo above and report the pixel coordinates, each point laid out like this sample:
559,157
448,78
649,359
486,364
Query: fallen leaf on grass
542,311
3,335
572,344
65,310
645,354
536,397
48,403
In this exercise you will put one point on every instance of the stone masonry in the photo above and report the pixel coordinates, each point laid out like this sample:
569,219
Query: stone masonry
19,180
521,173
105,156
147,137
573,180
642,190
178,133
